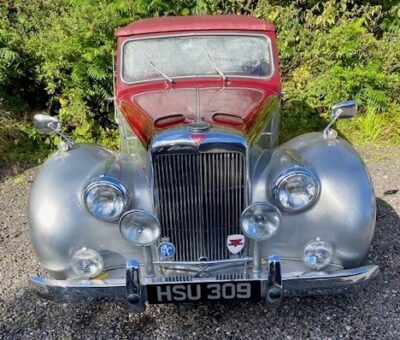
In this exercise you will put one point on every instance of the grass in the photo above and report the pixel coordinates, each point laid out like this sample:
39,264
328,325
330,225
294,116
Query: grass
378,129
20,180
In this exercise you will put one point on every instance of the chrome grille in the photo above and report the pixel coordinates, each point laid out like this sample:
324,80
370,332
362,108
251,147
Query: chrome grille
200,198
190,278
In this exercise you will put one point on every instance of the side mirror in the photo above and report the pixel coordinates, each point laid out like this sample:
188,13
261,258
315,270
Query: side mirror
46,124
345,109
341,110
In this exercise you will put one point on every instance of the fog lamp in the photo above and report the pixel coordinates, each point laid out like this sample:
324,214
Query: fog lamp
87,263
140,227
260,221
317,254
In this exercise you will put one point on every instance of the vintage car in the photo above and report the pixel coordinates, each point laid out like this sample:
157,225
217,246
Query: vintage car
201,204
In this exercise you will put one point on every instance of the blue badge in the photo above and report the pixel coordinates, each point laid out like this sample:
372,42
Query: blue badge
166,249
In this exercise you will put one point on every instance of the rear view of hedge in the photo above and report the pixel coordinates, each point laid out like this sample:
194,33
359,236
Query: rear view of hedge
56,56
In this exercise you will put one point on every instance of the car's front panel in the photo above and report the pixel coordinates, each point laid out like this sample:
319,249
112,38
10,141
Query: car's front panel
197,181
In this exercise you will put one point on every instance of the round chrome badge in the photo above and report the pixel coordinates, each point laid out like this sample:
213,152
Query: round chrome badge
166,250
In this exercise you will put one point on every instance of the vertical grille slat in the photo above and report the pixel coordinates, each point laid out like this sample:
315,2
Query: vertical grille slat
200,199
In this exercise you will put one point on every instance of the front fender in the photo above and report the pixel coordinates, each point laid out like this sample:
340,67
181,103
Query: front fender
58,220
345,212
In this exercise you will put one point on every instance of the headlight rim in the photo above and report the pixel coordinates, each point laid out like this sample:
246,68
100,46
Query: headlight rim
115,184
141,211
292,171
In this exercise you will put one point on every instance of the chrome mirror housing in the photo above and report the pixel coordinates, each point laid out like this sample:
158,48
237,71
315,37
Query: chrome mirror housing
46,124
347,109
49,125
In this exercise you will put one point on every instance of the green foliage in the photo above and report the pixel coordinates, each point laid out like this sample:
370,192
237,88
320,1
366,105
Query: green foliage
18,84
157,8
57,55
70,46
19,142
336,50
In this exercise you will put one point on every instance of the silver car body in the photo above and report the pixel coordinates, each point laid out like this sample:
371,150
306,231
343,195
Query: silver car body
60,224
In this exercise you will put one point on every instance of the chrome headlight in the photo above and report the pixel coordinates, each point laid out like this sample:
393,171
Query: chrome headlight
296,189
106,198
260,221
140,227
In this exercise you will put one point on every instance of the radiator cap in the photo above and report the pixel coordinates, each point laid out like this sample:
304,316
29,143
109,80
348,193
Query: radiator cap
198,127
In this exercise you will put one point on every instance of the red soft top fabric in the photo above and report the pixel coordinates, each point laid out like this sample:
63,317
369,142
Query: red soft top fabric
195,23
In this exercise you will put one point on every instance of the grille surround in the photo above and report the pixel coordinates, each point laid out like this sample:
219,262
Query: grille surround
199,199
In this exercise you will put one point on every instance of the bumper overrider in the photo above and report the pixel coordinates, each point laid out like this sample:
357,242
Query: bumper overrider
177,282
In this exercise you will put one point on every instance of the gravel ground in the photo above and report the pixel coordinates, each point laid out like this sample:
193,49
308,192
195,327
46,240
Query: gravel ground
371,312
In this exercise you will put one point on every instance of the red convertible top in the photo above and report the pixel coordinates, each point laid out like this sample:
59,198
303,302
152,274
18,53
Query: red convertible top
195,23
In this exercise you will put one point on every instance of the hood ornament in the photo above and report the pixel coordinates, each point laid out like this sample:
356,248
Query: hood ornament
197,130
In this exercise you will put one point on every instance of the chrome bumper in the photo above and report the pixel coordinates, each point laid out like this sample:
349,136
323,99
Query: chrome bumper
132,288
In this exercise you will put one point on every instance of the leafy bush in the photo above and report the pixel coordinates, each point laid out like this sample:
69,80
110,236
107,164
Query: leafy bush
337,50
57,55
19,87
19,142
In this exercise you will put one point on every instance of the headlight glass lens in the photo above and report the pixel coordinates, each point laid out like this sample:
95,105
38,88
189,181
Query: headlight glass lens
106,199
140,227
297,190
87,263
260,221
318,254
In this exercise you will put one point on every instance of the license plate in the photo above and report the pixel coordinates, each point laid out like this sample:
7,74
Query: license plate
203,291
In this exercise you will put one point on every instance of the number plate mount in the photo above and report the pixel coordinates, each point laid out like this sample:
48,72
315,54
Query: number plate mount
203,291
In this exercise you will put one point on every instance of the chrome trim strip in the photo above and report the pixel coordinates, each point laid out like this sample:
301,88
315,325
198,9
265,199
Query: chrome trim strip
72,291
321,280
181,139
115,289
201,267
207,263
121,53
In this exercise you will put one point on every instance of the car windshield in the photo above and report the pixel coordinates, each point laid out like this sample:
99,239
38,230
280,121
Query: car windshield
196,55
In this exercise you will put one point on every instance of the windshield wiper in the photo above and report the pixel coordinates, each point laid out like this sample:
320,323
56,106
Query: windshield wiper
223,76
168,79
